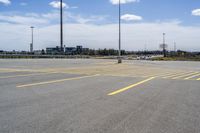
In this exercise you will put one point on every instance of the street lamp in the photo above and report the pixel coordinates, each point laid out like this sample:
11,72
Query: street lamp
164,45
31,45
61,26
119,52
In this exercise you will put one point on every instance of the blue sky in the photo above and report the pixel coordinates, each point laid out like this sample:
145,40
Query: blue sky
179,16
150,10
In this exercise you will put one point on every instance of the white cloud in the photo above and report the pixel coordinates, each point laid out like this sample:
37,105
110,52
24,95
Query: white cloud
115,2
196,12
48,18
83,20
131,17
29,19
134,36
6,2
56,4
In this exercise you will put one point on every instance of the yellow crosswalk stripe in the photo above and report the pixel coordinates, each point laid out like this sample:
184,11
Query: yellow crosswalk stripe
129,87
185,75
173,75
166,74
193,76
155,74
55,81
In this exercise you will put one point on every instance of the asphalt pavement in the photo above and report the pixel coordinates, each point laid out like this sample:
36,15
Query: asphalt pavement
99,96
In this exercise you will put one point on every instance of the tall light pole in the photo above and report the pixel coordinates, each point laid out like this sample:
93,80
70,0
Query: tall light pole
31,45
61,26
164,45
119,52
175,47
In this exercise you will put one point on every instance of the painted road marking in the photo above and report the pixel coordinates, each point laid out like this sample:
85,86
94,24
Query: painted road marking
170,74
198,79
18,70
180,74
193,76
26,75
175,74
162,74
9,70
55,81
184,75
106,63
129,87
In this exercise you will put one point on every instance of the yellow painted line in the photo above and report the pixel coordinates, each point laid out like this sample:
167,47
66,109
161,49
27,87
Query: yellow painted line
105,63
26,75
129,87
161,74
175,74
193,76
55,81
8,70
126,76
167,74
198,79
185,75
13,70
18,70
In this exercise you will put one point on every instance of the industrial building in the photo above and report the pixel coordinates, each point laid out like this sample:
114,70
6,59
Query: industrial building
67,50
53,50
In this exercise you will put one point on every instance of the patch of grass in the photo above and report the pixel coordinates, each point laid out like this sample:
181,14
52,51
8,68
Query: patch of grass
176,58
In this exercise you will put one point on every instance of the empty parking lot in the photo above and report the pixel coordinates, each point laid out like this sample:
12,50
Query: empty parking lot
99,96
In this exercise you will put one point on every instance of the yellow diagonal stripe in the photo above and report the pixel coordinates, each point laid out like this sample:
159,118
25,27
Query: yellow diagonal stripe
164,74
55,81
25,75
193,76
184,75
129,87
175,74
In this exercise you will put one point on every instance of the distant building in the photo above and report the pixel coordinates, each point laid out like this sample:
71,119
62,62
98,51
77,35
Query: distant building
79,49
74,50
53,50
38,52
67,50
85,51
70,50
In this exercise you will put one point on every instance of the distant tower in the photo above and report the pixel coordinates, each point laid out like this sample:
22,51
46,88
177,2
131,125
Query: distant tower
174,46
61,26
164,45
119,51
31,45
64,49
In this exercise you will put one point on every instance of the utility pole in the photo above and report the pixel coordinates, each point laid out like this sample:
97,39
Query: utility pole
31,45
164,45
119,52
174,46
61,26
145,49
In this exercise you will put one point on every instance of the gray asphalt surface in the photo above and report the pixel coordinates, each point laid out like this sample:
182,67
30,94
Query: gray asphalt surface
83,105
